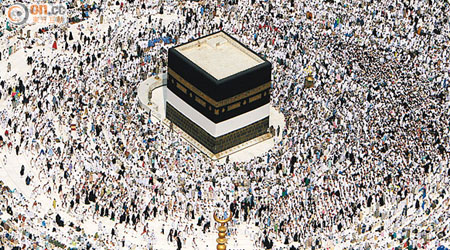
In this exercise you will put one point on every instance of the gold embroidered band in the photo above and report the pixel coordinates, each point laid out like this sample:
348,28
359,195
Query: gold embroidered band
213,102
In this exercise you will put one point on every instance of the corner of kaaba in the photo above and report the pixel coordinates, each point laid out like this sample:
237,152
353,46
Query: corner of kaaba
218,91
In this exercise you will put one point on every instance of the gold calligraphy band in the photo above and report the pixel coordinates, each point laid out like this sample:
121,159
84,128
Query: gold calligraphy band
217,104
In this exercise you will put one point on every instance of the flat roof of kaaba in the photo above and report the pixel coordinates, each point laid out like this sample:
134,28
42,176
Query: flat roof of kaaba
219,55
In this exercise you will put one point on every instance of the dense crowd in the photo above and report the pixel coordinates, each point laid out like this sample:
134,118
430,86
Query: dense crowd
363,157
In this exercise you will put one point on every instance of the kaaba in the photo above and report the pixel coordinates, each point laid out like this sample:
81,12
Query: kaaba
218,91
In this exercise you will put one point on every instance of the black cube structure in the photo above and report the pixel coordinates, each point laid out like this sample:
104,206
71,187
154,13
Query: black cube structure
218,91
